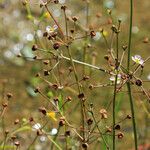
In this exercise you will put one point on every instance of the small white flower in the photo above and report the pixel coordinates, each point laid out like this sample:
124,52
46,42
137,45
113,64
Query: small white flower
29,37
138,59
9,54
57,13
148,77
43,2
43,138
39,33
112,78
62,1
36,126
50,29
97,36
54,131
135,29
109,4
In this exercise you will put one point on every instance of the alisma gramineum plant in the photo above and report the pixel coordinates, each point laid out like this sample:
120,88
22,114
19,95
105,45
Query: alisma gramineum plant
81,79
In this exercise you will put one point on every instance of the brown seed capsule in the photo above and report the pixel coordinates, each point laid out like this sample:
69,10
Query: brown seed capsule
39,133
67,133
85,146
117,127
74,18
37,90
13,137
91,86
68,98
55,86
35,57
17,143
45,34
6,132
34,47
70,69
50,37
42,110
72,30
54,34
46,73
19,55
9,95
62,121
89,121
56,1
31,119
37,75
56,100
64,7
106,57
92,33
120,135
5,104
103,113
16,121
129,117
114,29
146,40
108,129
124,47
81,96
86,77
138,82
46,62
56,46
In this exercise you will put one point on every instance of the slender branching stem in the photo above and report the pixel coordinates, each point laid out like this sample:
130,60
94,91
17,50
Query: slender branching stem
128,83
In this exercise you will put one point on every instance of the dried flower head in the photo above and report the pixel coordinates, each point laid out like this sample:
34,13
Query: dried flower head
103,113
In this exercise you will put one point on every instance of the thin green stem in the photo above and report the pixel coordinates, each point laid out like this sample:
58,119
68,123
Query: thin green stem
96,124
114,113
133,115
128,83
130,34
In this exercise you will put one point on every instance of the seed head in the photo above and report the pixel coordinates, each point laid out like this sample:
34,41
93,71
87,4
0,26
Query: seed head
16,121
17,143
74,18
34,47
9,95
37,90
42,110
89,121
117,127
92,33
56,46
138,82
85,146
46,73
120,135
